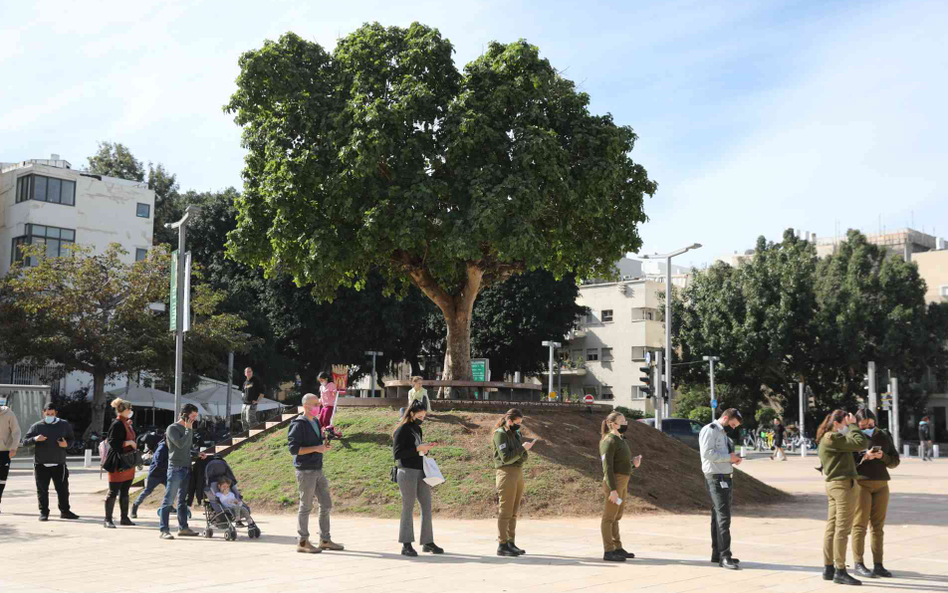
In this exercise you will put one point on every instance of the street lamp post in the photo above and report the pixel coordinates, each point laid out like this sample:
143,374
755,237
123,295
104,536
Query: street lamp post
373,354
668,317
551,345
714,401
190,214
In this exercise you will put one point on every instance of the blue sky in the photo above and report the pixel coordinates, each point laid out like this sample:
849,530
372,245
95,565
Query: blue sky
752,116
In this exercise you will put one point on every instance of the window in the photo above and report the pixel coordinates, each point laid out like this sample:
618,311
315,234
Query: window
143,211
944,291
592,354
638,352
590,390
607,355
576,355
644,314
46,189
637,392
141,254
607,315
53,237
607,392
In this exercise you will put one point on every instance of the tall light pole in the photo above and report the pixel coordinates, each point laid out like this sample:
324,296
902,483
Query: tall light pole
181,297
714,401
552,345
668,316
373,354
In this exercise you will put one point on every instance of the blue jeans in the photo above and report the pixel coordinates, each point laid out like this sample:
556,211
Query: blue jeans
177,486
154,478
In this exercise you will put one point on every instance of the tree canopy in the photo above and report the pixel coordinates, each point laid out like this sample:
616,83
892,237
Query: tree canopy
382,157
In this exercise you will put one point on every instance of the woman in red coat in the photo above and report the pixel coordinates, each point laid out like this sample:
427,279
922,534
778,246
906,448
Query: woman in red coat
121,438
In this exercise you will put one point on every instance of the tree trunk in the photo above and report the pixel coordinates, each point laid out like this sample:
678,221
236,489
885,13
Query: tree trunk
98,406
458,311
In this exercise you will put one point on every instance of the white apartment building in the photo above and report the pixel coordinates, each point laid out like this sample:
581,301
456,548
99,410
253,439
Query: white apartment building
47,201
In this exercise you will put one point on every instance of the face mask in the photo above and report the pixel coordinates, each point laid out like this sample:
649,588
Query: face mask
868,431
419,421
844,430
49,419
129,415
515,427
3,401
623,428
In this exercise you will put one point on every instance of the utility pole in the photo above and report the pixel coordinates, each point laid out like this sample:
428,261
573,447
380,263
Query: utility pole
373,354
551,344
802,421
657,390
714,401
894,413
873,397
181,309
230,380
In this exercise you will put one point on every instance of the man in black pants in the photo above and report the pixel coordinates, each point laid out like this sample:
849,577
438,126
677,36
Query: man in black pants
717,461
51,436
253,392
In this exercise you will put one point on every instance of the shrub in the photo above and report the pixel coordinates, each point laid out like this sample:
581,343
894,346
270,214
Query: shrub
702,414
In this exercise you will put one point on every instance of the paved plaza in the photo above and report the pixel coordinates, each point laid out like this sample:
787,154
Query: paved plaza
780,548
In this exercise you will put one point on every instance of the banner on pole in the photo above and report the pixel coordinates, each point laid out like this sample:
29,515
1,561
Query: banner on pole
340,376
173,318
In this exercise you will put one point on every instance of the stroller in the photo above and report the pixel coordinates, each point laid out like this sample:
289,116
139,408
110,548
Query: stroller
216,514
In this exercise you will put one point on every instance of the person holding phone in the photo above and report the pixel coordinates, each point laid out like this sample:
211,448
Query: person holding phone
179,438
509,453
617,464
307,446
872,503
51,436
409,449
837,442
717,465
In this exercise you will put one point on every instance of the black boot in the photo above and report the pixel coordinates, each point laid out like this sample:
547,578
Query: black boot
513,546
109,507
432,548
842,578
880,571
408,550
504,549
829,571
862,571
614,556
123,505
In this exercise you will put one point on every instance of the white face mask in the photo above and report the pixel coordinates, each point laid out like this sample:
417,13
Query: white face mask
49,419
129,414
3,401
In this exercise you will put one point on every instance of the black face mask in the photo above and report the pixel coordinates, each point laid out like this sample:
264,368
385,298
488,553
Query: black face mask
515,427
419,421
623,428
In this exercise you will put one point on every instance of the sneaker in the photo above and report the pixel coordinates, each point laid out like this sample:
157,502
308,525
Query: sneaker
432,548
166,535
328,544
304,547
44,517
187,532
68,515
134,512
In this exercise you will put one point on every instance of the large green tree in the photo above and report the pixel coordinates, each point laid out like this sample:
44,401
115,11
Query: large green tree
116,160
92,313
382,156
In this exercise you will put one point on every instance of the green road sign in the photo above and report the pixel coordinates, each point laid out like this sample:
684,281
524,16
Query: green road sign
479,369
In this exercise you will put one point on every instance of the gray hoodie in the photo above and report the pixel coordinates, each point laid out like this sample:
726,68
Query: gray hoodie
9,430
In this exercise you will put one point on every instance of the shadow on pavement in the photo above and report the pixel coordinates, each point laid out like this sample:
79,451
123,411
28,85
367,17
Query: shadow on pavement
449,558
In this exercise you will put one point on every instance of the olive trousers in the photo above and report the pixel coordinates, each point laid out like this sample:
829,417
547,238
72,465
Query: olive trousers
509,494
842,496
612,513
872,505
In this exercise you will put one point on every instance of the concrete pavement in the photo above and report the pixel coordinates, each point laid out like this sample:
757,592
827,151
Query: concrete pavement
780,548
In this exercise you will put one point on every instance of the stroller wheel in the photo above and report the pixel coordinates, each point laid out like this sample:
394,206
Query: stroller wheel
254,532
231,534
208,533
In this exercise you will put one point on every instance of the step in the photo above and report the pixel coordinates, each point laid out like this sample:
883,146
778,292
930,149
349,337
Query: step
272,424
255,432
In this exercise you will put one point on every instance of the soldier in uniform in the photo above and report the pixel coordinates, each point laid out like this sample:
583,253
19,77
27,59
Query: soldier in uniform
509,454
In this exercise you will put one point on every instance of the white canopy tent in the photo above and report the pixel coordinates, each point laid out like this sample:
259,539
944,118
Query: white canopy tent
214,400
148,397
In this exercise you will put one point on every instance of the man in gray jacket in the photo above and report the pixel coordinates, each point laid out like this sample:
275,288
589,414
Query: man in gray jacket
717,461
51,436
9,440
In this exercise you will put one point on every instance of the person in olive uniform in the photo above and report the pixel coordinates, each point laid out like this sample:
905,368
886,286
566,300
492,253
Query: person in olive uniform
837,443
509,454
873,503
617,464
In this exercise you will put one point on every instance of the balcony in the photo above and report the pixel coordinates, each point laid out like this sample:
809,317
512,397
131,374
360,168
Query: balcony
570,368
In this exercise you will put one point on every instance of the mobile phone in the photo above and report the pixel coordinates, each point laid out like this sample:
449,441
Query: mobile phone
876,449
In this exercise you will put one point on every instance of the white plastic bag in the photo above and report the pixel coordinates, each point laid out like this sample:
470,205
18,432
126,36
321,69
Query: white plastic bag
433,475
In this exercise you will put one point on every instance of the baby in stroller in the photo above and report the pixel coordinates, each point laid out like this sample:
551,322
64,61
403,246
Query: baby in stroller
223,506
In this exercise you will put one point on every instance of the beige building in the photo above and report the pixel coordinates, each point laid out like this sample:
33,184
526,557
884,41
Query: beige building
933,268
603,354
47,201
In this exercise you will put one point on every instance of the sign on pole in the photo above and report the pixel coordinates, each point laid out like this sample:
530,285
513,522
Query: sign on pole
173,319
479,369
588,399
186,305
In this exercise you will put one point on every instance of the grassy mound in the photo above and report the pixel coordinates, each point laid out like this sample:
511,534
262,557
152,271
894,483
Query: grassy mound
563,474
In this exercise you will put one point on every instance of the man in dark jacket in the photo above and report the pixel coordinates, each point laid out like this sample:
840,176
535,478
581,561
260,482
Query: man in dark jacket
925,445
157,474
253,393
305,439
51,437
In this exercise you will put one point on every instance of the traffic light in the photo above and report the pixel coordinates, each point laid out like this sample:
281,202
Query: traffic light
664,389
646,380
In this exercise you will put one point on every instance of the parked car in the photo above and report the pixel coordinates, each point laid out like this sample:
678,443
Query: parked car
683,429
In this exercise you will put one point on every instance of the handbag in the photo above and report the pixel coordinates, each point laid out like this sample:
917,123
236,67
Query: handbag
394,475
433,475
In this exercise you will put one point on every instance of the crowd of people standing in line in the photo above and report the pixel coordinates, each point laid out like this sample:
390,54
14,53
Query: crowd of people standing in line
854,453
